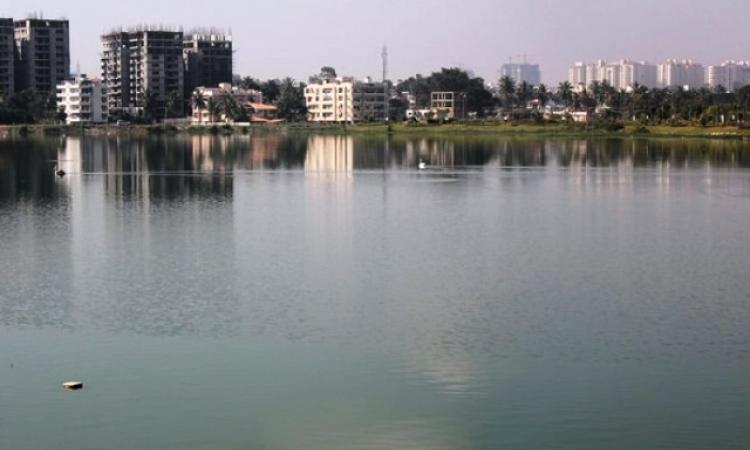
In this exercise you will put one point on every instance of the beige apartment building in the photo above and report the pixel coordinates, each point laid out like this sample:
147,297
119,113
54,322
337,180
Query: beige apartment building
344,99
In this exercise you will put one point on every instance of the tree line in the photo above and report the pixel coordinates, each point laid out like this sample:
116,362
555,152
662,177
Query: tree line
671,106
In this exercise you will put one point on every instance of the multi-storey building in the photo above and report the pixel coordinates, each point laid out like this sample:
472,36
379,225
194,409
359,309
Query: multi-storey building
7,46
577,76
84,100
730,75
43,50
448,105
343,99
640,73
686,73
208,60
144,68
623,74
529,73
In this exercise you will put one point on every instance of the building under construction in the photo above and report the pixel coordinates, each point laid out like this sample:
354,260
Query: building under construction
144,67
42,54
7,46
208,59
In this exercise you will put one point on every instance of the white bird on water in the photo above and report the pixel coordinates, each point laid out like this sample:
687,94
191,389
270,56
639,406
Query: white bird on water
422,164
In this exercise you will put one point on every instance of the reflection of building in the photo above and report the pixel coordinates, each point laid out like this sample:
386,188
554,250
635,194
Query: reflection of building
435,152
345,100
43,54
83,100
330,155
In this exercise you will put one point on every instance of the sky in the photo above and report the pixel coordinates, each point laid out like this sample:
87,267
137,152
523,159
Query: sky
279,38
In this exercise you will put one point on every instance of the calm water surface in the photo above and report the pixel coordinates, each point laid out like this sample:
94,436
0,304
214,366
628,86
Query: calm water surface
282,291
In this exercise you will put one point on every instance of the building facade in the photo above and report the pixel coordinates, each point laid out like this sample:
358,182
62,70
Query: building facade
730,75
530,73
83,100
144,69
623,74
7,57
43,54
249,99
448,105
686,73
344,100
637,73
208,60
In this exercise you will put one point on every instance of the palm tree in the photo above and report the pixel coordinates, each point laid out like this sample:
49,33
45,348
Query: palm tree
541,94
523,93
199,100
230,107
213,108
565,92
507,87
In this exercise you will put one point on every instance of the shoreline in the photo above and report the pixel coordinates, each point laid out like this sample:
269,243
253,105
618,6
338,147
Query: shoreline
459,130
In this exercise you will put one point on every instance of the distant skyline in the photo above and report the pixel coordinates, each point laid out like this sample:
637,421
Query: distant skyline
296,37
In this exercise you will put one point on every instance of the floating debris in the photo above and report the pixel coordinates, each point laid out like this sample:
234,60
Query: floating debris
73,385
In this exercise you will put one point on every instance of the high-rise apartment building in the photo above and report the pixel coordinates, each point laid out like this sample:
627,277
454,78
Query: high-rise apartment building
623,74
731,75
637,73
529,73
43,50
208,60
577,76
686,73
142,67
7,57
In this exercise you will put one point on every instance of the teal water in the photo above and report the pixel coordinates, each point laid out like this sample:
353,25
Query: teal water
287,291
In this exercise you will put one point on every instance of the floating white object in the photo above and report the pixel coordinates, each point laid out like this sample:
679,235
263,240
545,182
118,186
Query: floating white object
422,165
73,385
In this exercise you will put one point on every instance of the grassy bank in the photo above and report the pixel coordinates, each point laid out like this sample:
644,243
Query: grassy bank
464,128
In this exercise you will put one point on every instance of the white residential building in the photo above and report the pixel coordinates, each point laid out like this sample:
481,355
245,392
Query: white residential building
685,73
84,100
641,73
623,74
577,76
343,99
731,75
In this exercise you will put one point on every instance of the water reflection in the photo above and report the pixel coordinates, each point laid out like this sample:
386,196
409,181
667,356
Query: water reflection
205,165
330,156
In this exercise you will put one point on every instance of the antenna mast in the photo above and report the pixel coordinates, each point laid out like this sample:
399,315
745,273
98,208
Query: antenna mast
385,62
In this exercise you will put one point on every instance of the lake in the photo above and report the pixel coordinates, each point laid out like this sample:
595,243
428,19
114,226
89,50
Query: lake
316,291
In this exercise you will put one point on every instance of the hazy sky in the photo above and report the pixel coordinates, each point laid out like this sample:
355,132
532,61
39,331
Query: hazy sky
276,38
